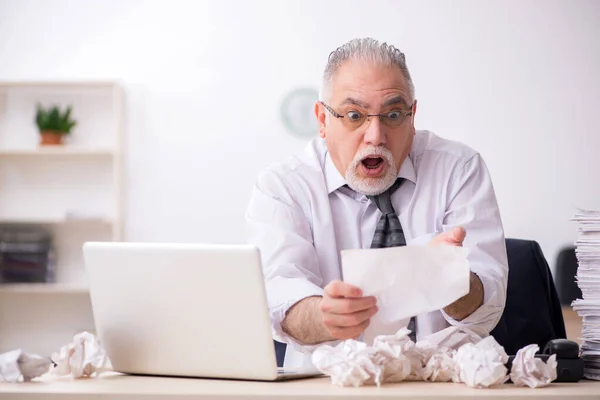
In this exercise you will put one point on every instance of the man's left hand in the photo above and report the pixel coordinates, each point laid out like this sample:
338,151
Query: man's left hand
470,302
453,237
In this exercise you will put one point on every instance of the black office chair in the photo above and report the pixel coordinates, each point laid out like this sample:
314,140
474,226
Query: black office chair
280,352
566,270
532,313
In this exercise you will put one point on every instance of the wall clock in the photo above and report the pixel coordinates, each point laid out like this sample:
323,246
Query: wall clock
298,112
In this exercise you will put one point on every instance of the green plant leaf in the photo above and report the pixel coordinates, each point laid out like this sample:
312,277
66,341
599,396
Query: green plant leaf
53,119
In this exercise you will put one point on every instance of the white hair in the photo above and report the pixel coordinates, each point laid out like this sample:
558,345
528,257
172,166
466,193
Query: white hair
365,49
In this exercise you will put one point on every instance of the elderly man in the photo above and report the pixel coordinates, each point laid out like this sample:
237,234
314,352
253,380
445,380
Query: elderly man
371,180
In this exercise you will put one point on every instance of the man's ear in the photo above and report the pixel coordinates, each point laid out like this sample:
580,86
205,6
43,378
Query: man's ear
320,115
414,112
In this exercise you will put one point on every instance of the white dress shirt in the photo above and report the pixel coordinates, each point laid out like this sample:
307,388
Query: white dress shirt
301,216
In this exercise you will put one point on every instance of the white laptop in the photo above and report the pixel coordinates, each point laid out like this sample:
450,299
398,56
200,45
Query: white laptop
194,310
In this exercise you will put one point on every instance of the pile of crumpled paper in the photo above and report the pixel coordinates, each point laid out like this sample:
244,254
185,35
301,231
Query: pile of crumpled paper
82,358
452,354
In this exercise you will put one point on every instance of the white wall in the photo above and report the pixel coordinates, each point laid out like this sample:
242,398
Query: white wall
517,80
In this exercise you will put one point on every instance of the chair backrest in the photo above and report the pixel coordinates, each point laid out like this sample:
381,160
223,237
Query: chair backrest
566,270
532,313
280,352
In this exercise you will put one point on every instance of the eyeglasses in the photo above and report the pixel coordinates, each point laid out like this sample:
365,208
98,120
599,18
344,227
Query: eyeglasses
355,119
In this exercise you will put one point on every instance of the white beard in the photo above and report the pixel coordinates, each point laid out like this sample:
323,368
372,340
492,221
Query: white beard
372,186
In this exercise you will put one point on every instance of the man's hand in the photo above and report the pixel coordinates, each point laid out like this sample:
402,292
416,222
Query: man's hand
470,302
454,237
342,313
346,314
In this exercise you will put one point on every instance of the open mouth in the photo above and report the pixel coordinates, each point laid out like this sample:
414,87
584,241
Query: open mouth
372,162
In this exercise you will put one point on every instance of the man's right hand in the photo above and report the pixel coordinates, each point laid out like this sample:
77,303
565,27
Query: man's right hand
346,313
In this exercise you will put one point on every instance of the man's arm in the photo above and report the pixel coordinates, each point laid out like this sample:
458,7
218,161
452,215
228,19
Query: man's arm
303,322
470,302
342,313
302,311
277,225
472,205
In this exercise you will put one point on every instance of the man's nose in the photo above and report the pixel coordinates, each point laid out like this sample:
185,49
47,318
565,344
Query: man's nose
373,133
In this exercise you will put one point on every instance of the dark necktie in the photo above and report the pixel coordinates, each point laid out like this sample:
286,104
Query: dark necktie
388,232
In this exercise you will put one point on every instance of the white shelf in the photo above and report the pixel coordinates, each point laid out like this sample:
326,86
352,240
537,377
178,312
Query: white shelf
55,221
73,192
57,151
67,84
42,288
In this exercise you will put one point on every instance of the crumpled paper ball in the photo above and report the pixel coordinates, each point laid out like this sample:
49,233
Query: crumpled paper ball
18,366
391,358
81,358
350,363
481,365
452,355
396,353
441,366
527,370
428,359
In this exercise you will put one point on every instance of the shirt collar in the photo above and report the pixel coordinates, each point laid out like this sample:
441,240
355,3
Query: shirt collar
335,180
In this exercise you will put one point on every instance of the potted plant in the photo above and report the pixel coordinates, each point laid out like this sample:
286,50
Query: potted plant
53,124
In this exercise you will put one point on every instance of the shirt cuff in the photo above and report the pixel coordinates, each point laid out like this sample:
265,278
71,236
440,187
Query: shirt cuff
485,318
283,294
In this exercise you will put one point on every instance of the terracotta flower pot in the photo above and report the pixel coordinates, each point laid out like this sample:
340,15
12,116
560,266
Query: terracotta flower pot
51,138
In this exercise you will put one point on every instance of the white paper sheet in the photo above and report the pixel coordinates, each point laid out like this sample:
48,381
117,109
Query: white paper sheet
408,280
587,249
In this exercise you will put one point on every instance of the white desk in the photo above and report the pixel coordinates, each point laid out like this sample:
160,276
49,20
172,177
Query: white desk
114,386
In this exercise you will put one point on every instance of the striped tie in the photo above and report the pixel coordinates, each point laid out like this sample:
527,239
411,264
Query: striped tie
388,232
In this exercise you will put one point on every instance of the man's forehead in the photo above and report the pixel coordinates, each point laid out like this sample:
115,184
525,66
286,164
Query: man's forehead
366,81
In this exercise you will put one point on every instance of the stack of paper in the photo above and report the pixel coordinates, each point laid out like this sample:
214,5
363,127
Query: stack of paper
588,280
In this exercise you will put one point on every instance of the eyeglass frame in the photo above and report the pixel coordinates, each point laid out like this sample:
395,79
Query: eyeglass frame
337,115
